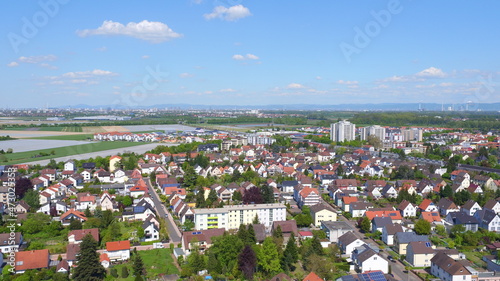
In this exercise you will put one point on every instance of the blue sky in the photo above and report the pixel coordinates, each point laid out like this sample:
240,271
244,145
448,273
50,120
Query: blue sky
240,52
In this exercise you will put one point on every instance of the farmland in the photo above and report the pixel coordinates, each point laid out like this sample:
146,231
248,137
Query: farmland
49,153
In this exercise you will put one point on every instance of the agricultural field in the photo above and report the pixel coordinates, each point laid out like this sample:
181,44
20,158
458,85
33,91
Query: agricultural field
49,153
79,137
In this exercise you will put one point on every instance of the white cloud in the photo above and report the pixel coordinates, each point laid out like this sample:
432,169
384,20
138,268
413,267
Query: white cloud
229,14
238,57
37,59
79,81
431,72
186,75
93,73
446,84
345,82
12,64
319,77
145,57
154,32
252,57
245,57
295,86
102,49
228,90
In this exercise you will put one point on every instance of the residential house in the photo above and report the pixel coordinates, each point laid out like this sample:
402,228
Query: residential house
10,242
34,259
492,205
118,250
446,268
335,229
151,231
358,209
432,217
366,259
402,239
488,220
428,206
446,206
419,253
72,251
485,181
348,242
310,277
470,223
322,212
378,223
407,209
200,239
308,196
76,236
72,214
389,231
470,207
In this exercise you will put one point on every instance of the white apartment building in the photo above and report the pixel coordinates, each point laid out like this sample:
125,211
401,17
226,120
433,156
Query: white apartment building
232,216
374,130
342,131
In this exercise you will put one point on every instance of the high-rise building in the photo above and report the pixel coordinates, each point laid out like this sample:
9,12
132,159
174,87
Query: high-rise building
413,134
342,131
374,130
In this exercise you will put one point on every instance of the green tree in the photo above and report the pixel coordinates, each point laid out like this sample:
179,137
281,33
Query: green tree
291,253
365,225
440,230
423,227
251,235
88,265
268,257
75,225
138,265
278,233
237,196
32,198
212,197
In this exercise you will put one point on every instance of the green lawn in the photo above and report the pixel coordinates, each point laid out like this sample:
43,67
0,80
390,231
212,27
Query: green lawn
29,156
67,137
157,262
62,129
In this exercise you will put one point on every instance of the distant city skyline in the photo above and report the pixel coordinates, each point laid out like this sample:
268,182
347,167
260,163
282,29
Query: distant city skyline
131,54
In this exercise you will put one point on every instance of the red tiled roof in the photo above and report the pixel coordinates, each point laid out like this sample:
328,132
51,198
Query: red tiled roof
118,245
312,277
32,259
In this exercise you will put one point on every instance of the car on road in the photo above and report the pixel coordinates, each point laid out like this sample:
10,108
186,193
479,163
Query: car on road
391,258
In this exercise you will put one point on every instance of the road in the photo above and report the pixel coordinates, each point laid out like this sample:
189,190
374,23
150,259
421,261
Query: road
173,232
396,266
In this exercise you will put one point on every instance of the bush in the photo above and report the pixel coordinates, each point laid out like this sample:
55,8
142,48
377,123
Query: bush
124,272
114,273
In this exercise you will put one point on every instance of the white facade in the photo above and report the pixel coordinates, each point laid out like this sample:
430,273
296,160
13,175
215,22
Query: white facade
342,131
231,217
374,130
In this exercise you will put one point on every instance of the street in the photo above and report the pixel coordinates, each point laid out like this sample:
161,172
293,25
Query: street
173,232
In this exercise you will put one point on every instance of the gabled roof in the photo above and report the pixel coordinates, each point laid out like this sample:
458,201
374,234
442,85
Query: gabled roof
407,237
430,216
348,238
421,247
80,233
32,259
118,245
312,277
446,204
449,265
469,204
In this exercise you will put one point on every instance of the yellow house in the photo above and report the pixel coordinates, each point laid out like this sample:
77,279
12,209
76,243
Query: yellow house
114,162
322,212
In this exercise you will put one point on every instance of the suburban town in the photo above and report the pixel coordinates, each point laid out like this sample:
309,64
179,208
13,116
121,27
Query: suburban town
306,203
228,140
